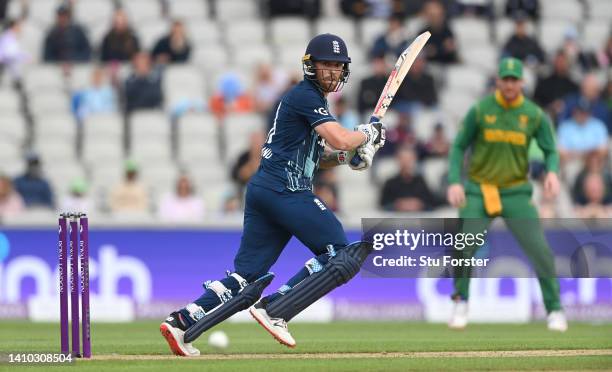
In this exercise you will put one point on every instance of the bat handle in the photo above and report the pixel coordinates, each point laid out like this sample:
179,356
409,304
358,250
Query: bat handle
356,158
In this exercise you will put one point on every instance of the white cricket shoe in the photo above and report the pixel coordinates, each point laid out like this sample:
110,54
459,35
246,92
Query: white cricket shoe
556,321
459,317
277,327
172,331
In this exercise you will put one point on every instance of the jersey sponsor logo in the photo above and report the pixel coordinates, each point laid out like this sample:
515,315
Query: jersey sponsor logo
266,153
320,204
336,46
506,136
490,119
321,111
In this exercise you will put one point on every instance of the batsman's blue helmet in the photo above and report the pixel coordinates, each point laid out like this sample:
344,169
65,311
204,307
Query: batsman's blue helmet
326,47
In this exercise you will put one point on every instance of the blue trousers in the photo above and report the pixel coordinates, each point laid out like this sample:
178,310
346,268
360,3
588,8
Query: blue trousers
271,218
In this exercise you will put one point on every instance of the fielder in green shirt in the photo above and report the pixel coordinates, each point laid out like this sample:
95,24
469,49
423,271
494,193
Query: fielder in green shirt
499,129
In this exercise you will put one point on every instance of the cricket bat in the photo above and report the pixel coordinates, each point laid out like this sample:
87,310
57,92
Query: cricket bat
399,72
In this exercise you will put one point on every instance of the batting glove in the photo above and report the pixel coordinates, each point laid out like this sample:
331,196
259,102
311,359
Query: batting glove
366,154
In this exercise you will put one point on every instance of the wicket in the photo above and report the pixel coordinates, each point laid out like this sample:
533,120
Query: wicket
75,226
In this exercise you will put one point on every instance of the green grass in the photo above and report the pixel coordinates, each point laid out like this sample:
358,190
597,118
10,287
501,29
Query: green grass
143,338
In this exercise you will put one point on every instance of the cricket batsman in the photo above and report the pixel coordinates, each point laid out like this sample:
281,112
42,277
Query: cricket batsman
280,204
499,129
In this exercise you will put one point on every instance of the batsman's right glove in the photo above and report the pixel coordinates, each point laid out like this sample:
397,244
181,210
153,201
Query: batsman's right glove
375,134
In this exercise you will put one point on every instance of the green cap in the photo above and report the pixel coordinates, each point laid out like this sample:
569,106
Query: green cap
510,67
131,166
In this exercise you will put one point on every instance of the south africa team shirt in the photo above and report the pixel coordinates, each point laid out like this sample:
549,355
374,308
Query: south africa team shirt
290,155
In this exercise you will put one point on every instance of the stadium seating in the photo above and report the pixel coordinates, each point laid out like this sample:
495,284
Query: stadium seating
236,10
93,12
245,33
552,33
600,9
286,31
12,127
236,132
343,27
570,10
471,31
151,31
231,35
188,9
142,10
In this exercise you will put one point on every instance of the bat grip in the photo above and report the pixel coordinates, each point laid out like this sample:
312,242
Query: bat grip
356,158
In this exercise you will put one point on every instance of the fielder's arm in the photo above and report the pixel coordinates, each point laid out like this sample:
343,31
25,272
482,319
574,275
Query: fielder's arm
464,139
545,136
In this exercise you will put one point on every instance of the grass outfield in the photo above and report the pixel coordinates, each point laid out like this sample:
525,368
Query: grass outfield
376,346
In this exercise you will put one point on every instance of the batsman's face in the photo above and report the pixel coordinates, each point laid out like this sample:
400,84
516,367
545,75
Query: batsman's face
510,88
329,74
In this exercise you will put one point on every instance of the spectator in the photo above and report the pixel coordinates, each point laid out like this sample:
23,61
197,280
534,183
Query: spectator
586,60
11,203
12,55
399,135
182,205
481,8
66,41
529,7
143,88
3,9
356,9
98,98
232,205
327,194
130,195
392,42
594,164
607,96
301,8
521,45
441,47
345,115
120,43
268,86
32,186
551,90
590,90
582,134
406,8
326,188
248,162
418,88
231,96
407,191
438,145
371,86
605,55
174,47
78,198
594,191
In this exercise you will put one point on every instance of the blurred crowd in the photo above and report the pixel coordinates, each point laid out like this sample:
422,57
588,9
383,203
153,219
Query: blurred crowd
570,80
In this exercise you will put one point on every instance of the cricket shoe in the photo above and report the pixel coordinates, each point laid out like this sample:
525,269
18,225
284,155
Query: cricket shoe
556,321
459,317
173,330
277,327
